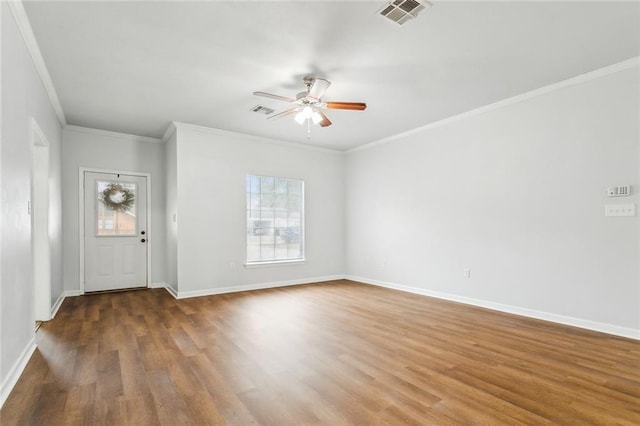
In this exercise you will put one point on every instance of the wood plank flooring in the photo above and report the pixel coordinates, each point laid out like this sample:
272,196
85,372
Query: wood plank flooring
331,353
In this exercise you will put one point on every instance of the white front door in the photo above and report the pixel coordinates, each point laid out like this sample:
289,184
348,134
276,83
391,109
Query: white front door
115,231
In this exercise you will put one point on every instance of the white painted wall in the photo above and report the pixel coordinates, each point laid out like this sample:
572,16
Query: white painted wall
211,246
171,183
23,98
40,238
2,374
517,195
113,151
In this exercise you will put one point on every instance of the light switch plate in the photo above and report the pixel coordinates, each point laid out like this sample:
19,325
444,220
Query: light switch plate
619,191
620,210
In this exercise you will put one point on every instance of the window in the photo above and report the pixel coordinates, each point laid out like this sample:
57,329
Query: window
275,219
116,209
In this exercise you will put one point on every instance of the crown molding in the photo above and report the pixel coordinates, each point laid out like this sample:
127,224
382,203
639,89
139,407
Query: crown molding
169,132
226,133
573,81
20,16
109,134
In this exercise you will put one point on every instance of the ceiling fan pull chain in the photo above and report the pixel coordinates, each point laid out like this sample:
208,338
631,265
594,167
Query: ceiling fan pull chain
308,129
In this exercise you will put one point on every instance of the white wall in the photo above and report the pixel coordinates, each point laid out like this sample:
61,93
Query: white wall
517,195
111,151
211,170
171,183
23,98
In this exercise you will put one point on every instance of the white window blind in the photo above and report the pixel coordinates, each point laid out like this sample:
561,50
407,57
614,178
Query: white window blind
275,219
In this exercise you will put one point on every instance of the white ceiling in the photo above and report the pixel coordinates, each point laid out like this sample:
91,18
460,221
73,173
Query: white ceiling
134,67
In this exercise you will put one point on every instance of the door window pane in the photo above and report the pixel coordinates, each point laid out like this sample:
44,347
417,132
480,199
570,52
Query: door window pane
116,208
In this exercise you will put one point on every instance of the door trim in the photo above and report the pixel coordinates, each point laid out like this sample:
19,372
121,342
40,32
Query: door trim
81,172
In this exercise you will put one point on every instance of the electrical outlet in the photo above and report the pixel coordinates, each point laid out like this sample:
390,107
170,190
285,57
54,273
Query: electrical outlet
467,273
620,210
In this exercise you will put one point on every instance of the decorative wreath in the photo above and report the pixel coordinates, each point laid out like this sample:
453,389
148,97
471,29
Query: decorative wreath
117,197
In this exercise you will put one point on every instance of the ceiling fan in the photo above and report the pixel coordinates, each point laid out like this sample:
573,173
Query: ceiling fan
310,104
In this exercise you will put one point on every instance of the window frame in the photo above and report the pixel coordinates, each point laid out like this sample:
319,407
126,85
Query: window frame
301,259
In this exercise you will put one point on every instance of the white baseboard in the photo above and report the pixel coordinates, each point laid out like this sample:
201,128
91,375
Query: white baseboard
166,286
56,306
171,291
64,295
248,287
525,312
16,371
516,310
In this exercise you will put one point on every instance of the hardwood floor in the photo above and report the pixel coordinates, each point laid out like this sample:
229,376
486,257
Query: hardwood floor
332,353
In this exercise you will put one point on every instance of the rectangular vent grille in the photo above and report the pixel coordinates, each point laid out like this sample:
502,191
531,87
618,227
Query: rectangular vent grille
400,11
262,110
409,5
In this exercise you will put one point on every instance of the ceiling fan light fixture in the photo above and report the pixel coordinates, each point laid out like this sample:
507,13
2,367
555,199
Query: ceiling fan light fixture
300,118
316,117
309,104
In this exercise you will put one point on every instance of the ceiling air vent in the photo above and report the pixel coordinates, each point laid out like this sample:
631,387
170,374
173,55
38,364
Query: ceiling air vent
400,11
262,110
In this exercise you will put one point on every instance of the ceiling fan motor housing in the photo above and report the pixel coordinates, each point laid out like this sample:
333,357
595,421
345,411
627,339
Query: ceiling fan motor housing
301,98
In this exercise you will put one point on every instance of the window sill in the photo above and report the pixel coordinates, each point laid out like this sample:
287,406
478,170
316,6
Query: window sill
275,263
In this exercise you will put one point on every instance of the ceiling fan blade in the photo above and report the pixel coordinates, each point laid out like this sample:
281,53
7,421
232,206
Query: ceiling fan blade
272,96
319,86
356,106
325,120
283,113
